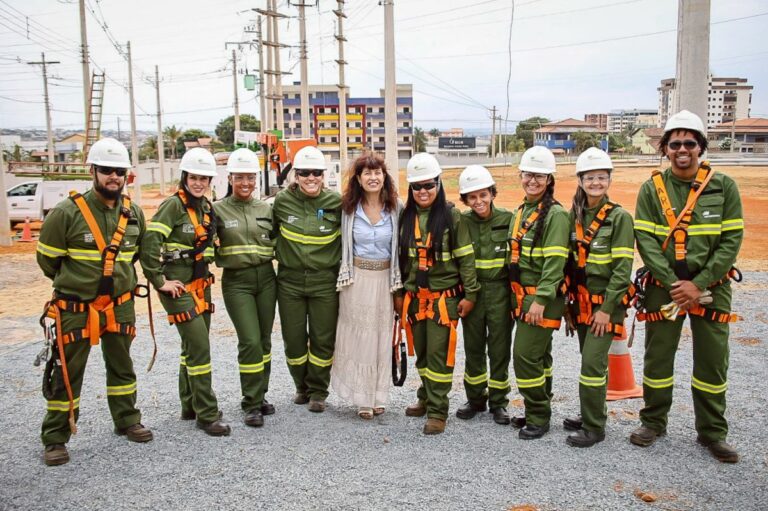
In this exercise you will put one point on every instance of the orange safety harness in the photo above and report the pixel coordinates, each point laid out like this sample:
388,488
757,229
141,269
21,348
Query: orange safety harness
427,298
519,230
578,293
201,279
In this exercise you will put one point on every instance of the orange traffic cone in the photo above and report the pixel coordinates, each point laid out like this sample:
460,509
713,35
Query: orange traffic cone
621,377
26,233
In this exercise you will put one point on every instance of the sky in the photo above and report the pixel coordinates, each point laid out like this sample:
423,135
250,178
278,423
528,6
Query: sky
568,58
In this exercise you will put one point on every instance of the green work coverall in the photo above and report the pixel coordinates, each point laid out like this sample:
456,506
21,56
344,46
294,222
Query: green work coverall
714,238
245,251
308,252
68,255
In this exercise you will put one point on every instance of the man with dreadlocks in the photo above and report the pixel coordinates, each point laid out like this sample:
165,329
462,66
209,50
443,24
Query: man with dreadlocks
538,252
177,249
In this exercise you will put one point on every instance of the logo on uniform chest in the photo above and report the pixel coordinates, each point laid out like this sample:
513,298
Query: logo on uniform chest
88,237
188,229
230,224
291,219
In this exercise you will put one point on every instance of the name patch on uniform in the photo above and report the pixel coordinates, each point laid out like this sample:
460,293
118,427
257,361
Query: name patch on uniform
188,229
709,214
500,248
324,228
291,219
228,224
88,237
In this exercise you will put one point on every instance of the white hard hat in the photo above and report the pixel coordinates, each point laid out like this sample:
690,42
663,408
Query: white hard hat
198,161
243,161
684,120
539,160
473,178
109,152
422,166
593,159
309,158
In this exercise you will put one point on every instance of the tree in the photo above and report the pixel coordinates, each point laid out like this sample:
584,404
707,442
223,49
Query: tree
434,132
225,130
584,140
189,135
513,144
148,149
524,129
419,140
16,154
172,135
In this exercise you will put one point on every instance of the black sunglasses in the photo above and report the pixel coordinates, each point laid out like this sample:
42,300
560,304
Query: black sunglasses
108,171
309,172
417,187
677,144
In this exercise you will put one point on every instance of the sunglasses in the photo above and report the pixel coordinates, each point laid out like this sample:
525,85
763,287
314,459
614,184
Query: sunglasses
108,171
417,187
309,172
677,144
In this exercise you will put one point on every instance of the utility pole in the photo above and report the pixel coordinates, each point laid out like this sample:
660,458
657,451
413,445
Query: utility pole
304,94
493,134
160,144
234,80
270,71
51,150
279,117
5,224
262,102
390,93
119,135
134,142
339,12
692,75
85,62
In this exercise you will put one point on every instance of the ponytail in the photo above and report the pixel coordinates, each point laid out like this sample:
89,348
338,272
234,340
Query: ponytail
546,203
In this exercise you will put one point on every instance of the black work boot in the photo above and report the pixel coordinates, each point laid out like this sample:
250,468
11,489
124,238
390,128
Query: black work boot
572,423
136,433
254,418
517,422
500,416
55,454
645,436
469,410
267,408
531,432
721,450
584,438
215,428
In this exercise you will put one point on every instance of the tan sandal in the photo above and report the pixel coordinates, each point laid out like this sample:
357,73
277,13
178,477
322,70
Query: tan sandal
365,413
378,410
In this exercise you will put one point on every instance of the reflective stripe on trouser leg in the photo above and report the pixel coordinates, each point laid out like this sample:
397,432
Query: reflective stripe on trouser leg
292,304
323,312
475,365
529,353
431,346
593,378
55,427
121,379
661,341
196,345
709,381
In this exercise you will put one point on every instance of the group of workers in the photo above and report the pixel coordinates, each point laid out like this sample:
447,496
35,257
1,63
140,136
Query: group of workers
531,270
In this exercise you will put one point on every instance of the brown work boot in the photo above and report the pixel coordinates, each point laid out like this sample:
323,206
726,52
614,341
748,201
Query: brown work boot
300,398
434,426
317,405
136,433
254,418
267,408
188,415
417,409
55,454
645,436
721,450
215,428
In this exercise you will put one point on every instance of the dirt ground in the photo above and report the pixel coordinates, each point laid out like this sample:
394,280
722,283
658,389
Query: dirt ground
23,288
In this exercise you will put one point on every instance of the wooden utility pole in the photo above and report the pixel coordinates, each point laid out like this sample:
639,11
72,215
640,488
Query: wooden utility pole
51,149
493,134
134,141
85,62
5,224
390,92
160,143
339,12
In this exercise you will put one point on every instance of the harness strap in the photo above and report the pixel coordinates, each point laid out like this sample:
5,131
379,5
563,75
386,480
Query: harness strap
520,294
50,306
426,301
196,288
202,236
584,238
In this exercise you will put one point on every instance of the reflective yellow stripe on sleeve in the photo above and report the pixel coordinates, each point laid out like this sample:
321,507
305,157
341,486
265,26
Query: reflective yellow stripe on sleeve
734,224
159,227
50,251
463,251
619,252
555,251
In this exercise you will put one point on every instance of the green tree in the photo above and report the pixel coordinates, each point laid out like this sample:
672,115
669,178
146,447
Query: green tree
419,140
434,132
189,135
524,129
16,154
172,135
148,149
512,142
584,140
225,130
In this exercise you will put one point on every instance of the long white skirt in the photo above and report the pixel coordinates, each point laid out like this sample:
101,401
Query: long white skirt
362,360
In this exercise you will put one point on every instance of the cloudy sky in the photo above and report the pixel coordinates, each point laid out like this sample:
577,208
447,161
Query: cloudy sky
567,58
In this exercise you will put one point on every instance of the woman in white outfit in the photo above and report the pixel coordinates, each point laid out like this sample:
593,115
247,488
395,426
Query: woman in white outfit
368,276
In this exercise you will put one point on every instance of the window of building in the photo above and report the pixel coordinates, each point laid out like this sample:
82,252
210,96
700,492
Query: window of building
381,125
406,139
381,139
407,109
334,125
358,124
381,109
369,110
406,124
334,140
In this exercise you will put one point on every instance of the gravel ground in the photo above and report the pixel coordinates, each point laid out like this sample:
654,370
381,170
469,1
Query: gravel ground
300,460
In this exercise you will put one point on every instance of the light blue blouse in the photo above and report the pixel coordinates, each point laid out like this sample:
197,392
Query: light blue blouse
372,241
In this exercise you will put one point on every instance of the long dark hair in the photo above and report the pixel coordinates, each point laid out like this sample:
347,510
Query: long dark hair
438,221
546,203
353,191
579,203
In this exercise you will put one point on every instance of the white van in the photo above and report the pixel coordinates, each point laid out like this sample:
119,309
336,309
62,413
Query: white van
33,199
